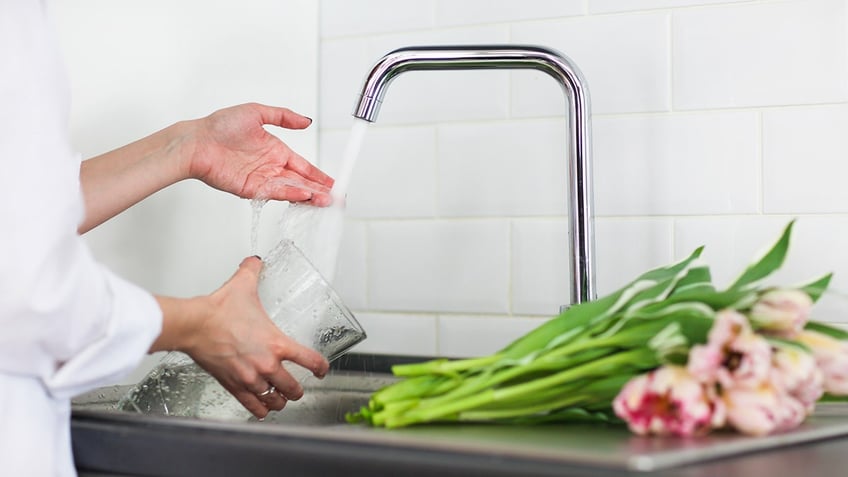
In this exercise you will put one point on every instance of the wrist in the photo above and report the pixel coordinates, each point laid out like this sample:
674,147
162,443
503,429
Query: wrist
182,143
182,321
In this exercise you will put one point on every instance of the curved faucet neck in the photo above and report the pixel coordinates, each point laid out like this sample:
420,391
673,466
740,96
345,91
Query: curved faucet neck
419,58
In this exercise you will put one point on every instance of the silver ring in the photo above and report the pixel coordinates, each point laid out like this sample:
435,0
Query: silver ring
267,391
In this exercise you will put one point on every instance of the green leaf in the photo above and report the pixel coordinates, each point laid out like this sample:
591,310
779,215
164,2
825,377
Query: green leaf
828,330
767,263
574,320
816,288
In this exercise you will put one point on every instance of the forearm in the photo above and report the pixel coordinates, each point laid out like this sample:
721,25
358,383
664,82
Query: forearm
116,180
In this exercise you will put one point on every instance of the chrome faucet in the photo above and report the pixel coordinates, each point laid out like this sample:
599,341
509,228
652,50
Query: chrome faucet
580,216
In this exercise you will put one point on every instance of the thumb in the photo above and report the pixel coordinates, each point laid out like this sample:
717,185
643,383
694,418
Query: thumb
249,269
251,265
282,117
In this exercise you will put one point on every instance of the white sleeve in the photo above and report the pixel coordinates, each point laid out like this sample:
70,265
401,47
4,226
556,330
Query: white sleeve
63,317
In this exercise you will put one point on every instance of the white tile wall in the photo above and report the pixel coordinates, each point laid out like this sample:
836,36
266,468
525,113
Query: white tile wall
606,6
625,59
763,54
532,182
461,265
388,333
715,122
804,160
540,266
468,336
677,164
469,12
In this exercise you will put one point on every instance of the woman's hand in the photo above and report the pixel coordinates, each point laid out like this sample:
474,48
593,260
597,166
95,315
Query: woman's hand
229,335
229,150
233,152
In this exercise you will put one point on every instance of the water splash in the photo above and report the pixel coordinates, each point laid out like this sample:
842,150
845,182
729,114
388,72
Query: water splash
256,212
318,231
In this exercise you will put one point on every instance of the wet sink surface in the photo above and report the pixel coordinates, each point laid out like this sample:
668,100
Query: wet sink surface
320,415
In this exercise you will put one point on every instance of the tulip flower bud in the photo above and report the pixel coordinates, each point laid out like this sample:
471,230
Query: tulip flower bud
797,372
832,358
783,312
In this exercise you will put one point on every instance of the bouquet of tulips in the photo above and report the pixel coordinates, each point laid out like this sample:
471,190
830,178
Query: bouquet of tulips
668,354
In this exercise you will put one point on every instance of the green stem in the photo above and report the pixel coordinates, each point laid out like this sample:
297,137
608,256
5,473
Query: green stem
485,381
491,415
443,366
641,358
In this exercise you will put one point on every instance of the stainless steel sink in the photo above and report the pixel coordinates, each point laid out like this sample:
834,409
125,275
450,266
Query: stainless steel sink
315,427
325,401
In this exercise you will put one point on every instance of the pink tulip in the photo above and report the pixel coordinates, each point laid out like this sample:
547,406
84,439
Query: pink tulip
733,356
761,410
832,358
796,371
728,325
667,401
782,312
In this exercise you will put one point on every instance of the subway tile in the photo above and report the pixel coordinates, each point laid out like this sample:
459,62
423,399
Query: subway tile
503,168
469,12
470,336
817,247
541,260
624,58
804,167
343,17
394,174
762,54
398,334
609,6
626,248
344,64
439,266
677,164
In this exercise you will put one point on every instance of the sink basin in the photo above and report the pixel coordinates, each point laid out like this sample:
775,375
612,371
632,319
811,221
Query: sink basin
312,433
325,401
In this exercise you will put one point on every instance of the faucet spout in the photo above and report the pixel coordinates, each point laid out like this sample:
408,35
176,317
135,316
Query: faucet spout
563,70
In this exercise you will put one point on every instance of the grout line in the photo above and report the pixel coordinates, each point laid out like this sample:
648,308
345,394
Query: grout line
624,115
761,199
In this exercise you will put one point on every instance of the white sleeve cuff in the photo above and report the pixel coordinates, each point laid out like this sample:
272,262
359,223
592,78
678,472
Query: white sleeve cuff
135,321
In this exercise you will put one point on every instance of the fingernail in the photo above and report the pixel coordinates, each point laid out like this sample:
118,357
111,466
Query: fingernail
310,119
257,256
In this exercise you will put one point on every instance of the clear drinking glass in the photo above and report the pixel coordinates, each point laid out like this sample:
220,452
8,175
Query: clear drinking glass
299,301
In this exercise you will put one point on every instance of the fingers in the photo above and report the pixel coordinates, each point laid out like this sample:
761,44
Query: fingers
295,189
282,117
286,385
304,356
306,169
250,402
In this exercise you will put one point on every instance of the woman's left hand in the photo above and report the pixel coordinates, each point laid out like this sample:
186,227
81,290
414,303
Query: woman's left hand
233,152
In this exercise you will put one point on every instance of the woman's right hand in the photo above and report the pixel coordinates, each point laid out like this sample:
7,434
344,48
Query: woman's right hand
229,335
